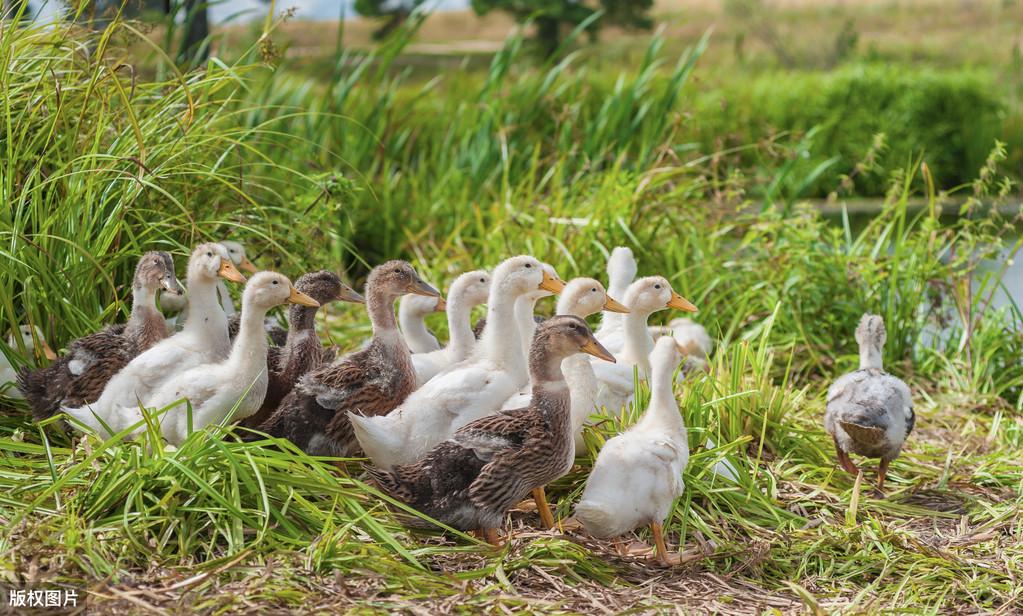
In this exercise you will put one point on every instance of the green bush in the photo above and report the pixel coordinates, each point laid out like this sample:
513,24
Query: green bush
952,118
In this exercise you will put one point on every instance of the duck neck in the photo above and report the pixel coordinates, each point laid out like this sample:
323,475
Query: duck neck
501,333
462,340
525,306
205,315
870,357
413,326
663,409
248,354
380,306
145,319
638,342
550,390
301,319
226,303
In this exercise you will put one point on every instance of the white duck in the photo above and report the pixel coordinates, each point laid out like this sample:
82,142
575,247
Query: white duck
643,298
215,389
525,310
869,412
621,272
467,291
581,298
412,311
178,304
203,339
638,474
467,390
692,338
8,375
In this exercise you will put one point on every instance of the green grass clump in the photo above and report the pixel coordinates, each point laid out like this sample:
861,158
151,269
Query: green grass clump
103,164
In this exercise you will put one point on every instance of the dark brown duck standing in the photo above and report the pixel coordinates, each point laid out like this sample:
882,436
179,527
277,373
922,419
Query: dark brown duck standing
473,479
302,350
372,381
79,376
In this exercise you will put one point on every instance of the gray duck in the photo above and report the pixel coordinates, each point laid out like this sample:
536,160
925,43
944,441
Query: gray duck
80,375
302,350
473,479
869,412
371,381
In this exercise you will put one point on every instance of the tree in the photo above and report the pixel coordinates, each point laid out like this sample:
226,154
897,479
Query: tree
554,16
395,13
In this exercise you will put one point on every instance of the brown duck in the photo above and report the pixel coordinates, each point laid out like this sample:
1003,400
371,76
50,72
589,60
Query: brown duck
372,381
473,479
79,376
302,350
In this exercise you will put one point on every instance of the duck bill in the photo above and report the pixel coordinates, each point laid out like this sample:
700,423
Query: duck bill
228,271
442,305
612,305
47,351
248,266
597,350
552,284
300,298
680,303
419,287
171,285
351,295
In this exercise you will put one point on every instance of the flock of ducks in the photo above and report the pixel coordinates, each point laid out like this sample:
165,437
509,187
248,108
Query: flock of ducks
462,432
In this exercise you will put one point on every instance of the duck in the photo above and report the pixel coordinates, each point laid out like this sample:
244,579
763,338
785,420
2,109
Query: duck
471,480
206,394
525,310
412,311
638,474
302,350
203,340
374,380
80,375
177,305
581,298
29,336
467,291
621,272
643,297
467,390
869,412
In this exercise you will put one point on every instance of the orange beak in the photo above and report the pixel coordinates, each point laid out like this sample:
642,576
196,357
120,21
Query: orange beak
228,271
680,303
248,266
552,284
300,298
612,305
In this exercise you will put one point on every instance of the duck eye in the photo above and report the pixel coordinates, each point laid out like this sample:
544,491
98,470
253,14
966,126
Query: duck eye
275,282
482,280
397,270
529,265
657,286
593,290
209,254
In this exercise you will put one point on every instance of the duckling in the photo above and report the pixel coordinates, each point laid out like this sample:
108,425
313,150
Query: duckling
869,411
468,290
373,380
412,310
473,479
29,335
638,474
80,376
621,272
203,340
644,297
214,389
302,350
581,298
467,390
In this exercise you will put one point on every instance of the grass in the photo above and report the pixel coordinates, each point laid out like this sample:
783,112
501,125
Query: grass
102,162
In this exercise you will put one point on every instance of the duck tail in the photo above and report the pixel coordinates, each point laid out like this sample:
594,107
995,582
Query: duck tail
598,520
33,385
377,438
867,435
621,271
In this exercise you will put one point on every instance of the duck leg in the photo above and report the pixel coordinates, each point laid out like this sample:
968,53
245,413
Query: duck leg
882,473
663,556
491,536
546,517
844,460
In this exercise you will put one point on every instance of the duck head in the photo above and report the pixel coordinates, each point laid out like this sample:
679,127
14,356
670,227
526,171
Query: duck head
268,289
585,296
155,272
564,335
471,288
237,254
653,293
397,278
33,341
325,286
524,274
871,336
210,261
